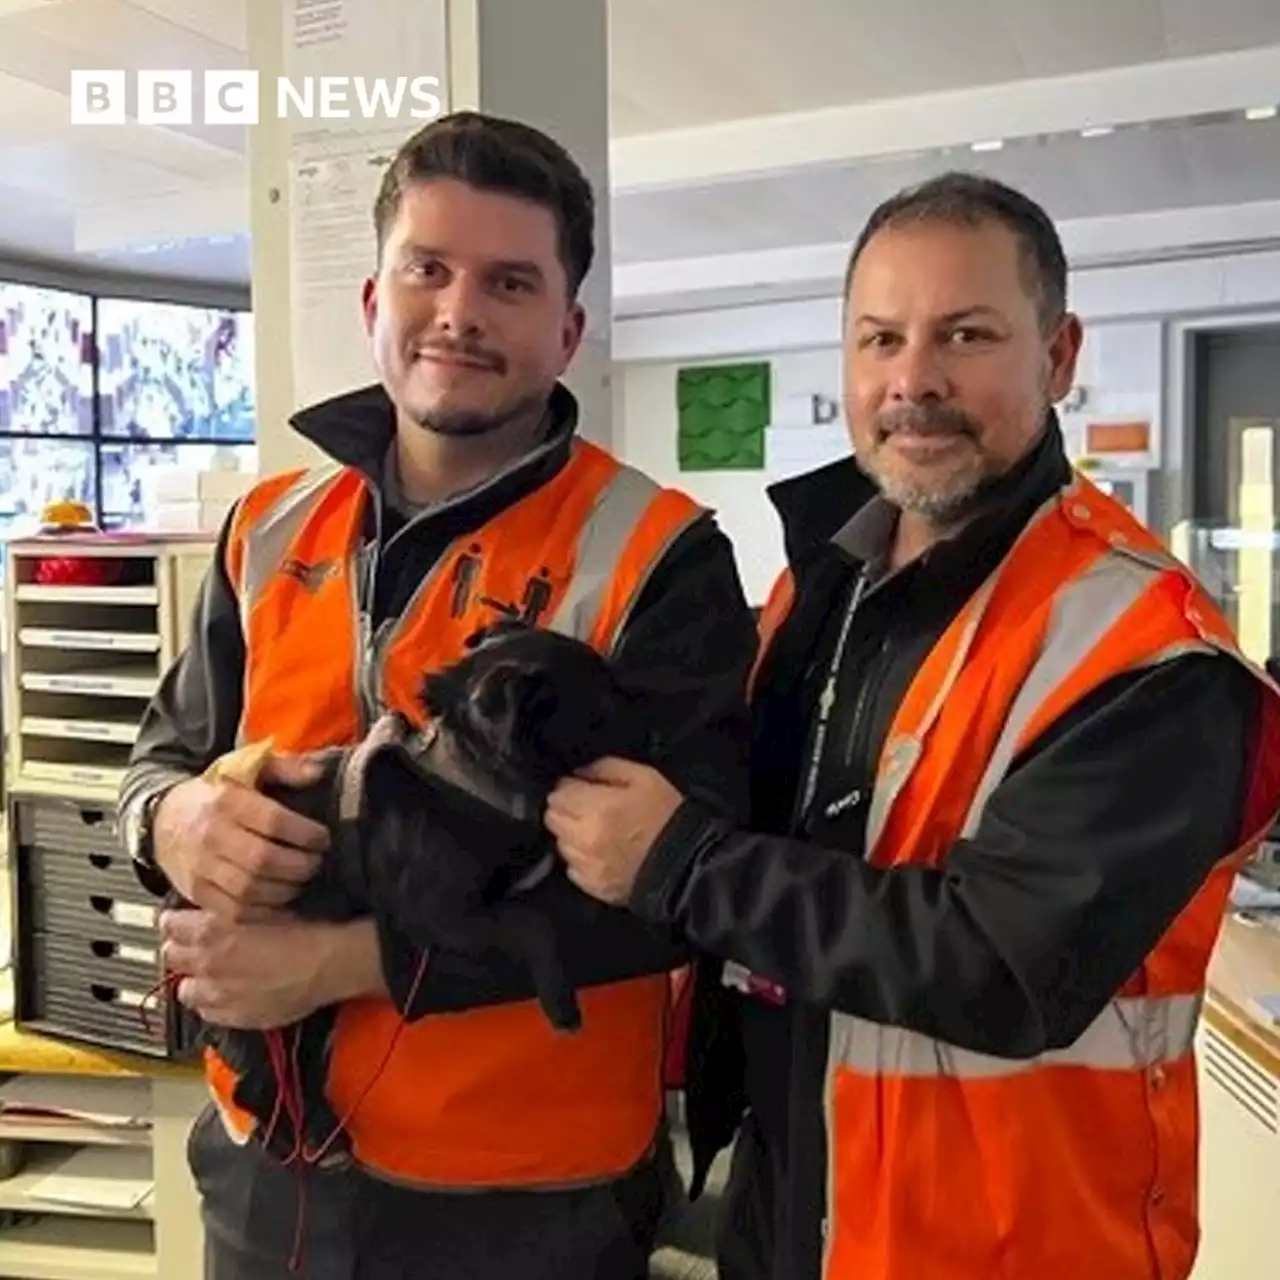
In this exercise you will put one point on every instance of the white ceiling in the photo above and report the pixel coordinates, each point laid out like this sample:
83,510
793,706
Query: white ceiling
692,62
739,125
1131,171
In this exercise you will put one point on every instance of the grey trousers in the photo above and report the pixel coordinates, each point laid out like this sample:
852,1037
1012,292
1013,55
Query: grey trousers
259,1217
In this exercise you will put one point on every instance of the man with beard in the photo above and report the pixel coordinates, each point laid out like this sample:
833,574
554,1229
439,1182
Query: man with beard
1007,758
485,1143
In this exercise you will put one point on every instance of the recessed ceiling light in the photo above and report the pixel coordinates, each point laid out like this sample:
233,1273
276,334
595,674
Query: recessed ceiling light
1261,113
993,145
1097,131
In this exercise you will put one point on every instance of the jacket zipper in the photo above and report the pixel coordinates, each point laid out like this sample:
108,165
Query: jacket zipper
853,797
367,678
854,737
371,641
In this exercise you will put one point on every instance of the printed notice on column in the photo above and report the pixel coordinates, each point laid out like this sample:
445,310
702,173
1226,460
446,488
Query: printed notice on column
333,191
334,249
372,62
318,22
363,63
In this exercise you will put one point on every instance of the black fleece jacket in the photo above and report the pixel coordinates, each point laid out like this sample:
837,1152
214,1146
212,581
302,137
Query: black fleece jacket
687,646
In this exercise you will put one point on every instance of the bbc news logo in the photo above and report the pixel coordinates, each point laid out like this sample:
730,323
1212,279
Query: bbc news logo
235,97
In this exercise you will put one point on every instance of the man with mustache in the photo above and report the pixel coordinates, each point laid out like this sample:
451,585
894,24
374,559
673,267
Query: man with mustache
1007,758
458,493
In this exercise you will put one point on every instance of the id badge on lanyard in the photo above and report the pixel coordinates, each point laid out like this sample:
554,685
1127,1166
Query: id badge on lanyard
737,976
826,705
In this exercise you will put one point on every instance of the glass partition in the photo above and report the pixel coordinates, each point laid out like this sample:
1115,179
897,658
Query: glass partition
1240,569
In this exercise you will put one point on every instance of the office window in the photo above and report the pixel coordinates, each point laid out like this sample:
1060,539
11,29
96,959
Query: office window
96,393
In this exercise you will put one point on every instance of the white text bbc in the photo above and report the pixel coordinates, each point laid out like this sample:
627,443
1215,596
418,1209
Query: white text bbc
234,97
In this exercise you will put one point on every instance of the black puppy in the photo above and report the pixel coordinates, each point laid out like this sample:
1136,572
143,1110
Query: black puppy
437,834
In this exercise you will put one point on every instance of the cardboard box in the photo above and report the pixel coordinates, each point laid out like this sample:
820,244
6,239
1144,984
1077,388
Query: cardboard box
187,484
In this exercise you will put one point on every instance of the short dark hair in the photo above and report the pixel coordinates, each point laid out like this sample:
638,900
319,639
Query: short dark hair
504,156
970,200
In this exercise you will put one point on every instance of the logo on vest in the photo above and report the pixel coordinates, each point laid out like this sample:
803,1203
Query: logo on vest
533,603
311,576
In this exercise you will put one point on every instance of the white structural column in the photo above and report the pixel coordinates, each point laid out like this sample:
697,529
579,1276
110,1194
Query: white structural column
313,180
548,64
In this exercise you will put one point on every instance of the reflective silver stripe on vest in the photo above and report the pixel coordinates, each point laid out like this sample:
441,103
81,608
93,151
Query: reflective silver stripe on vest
602,544
1134,1033
902,755
1084,611
266,541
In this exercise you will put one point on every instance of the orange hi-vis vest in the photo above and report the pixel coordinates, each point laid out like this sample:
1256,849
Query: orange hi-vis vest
948,1164
491,1097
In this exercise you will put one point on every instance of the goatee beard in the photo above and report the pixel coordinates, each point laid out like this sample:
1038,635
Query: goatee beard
462,424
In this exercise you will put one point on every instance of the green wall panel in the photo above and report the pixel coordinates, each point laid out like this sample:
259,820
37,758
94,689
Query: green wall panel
722,411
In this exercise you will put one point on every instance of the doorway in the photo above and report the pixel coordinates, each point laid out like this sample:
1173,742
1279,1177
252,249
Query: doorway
1237,393
1235,446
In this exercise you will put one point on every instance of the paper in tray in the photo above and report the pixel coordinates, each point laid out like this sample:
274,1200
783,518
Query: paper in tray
98,1178
115,1103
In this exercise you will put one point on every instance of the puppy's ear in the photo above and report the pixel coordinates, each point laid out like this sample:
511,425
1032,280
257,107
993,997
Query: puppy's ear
442,692
536,712
510,702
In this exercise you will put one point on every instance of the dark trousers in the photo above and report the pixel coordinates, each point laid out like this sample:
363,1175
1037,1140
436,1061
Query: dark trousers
746,1234
349,1226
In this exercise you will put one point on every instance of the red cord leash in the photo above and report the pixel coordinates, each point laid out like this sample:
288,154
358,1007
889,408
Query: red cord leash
169,983
290,1099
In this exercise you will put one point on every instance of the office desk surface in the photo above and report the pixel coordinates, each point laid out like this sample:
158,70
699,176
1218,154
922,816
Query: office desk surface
25,1051
1246,965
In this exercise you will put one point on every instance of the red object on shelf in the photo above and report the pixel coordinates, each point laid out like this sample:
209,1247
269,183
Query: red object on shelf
77,571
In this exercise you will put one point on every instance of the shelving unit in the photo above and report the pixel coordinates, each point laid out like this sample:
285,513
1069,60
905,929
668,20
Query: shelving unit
121,1229
82,659
113,1134
23,1192
85,657
56,1249
91,625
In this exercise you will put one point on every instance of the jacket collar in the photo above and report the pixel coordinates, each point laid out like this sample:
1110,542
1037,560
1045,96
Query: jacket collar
840,503
356,428
815,505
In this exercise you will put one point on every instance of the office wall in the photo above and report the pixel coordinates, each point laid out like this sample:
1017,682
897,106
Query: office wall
644,428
